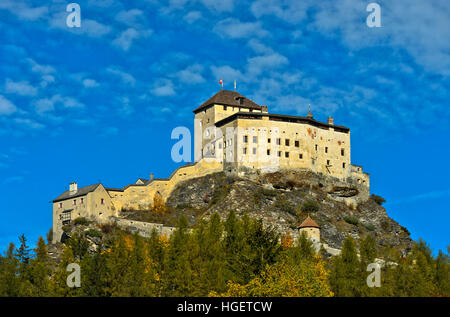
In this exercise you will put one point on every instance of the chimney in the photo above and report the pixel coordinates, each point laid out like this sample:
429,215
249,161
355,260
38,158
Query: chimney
264,109
73,187
151,176
330,121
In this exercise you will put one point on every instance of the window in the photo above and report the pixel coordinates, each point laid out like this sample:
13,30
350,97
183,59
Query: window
208,120
286,142
300,156
60,205
316,147
74,202
102,201
244,150
82,201
313,162
279,153
254,150
225,108
268,140
220,145
326,149
328,162
66,216
343,165
278,141
255,139
342,152
245,138
286,154
268,152
297,143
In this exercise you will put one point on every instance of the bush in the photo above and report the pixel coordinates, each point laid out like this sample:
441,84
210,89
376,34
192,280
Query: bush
286,206
81,221
94,233
369,227
310,206
106,228
351,220
378,199
66,228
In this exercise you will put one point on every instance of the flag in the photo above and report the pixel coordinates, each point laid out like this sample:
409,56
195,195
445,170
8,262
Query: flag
221,82
234,85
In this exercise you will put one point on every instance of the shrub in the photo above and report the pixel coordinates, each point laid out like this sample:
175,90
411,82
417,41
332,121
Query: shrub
159,206
94,233
378,199
81,221
351,220
66,228
106,228
286,206
369,227
310,206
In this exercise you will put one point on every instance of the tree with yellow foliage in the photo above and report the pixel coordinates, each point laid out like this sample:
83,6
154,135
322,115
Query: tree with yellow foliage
159,206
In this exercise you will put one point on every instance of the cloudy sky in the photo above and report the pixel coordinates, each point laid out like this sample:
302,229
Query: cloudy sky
99,102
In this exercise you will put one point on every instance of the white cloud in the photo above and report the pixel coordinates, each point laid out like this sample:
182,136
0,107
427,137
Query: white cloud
192,17
233,28
6,106
22,88
90,83
29,123
45,105
124,76
163,89
256,65
126,38
226,72
130,17
23,11
190,75
38,68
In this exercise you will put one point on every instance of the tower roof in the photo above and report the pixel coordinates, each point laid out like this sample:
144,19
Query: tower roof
229,98
308,222
309,115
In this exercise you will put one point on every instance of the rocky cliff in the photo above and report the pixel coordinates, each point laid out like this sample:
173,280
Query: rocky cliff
283,199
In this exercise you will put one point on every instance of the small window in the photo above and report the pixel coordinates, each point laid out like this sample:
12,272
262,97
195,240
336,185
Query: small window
254,150
245,138
244,150
74,202
220,145
208,120
255,139
313,162
82,201
286,154
225,108
316,147
286,142
343,165
342,152
268,140
268,152
300,156
326,149
102,201
278,141
279,153
297,143
328,162
60,205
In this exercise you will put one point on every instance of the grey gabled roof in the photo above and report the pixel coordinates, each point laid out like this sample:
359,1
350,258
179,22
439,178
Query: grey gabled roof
229,98
80,192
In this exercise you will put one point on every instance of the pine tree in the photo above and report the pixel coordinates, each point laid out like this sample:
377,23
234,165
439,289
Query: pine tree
177,273
40,269
344,279
10,281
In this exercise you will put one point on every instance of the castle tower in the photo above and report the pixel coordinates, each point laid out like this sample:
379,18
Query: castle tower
311,228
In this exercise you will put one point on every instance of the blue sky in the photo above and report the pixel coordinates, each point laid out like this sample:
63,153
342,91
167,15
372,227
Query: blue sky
93,103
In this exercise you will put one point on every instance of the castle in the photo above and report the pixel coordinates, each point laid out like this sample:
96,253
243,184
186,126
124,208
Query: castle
232,134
